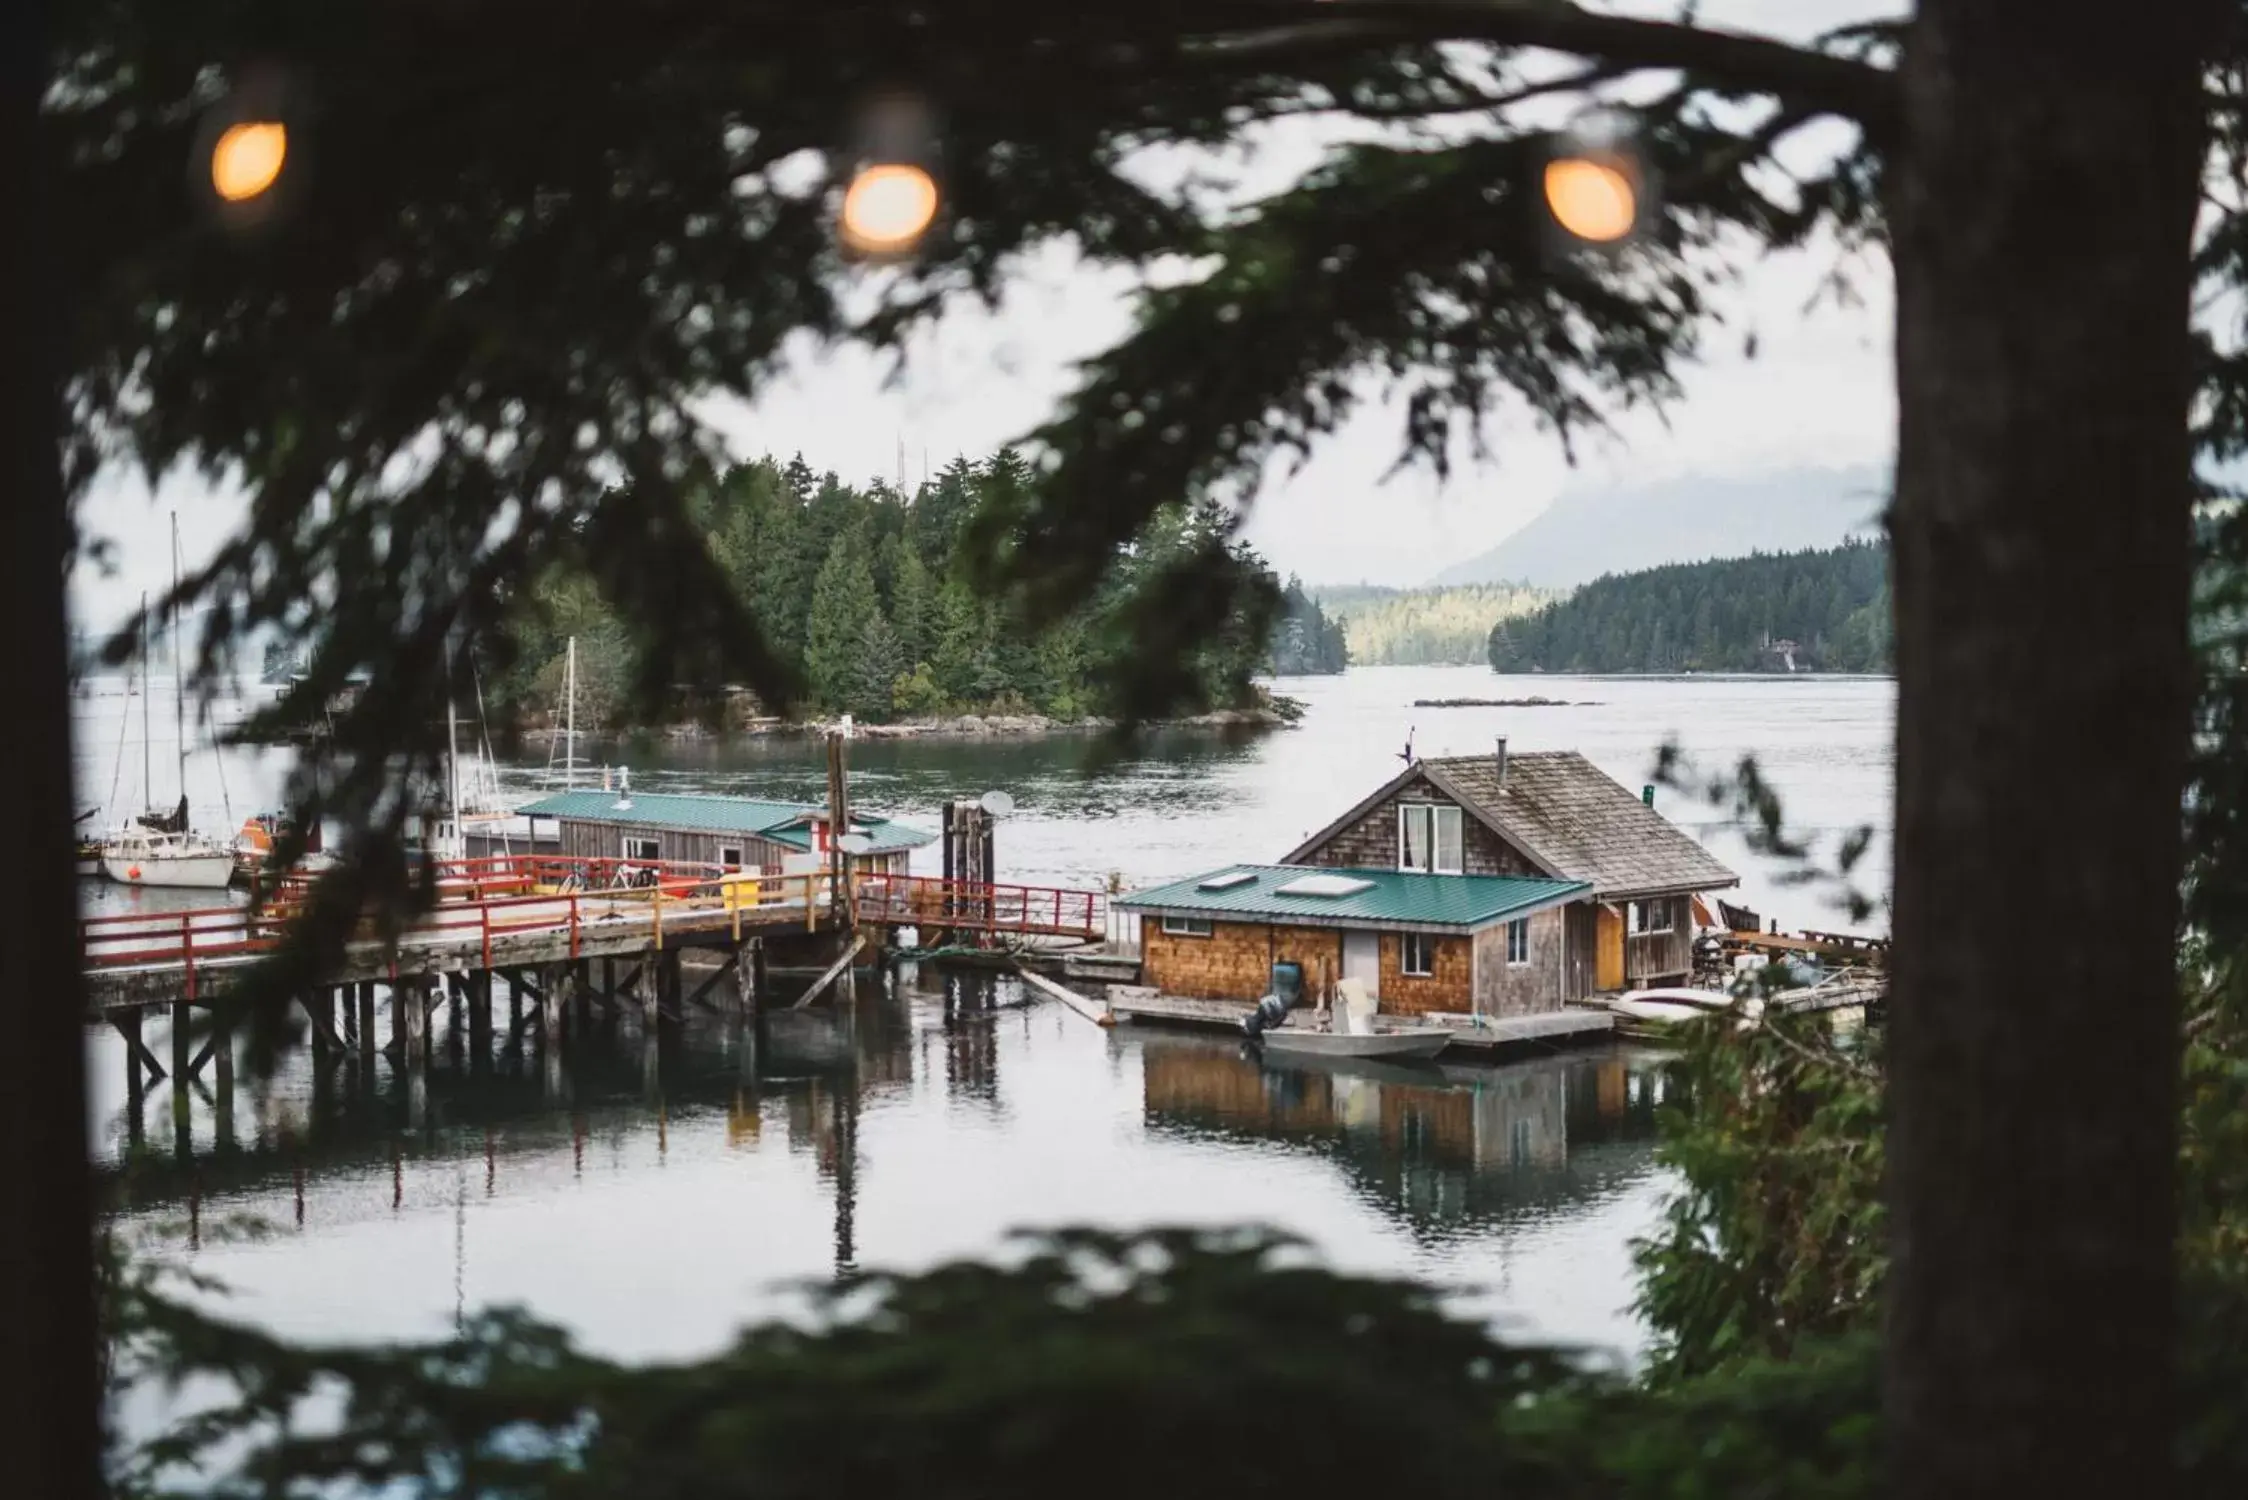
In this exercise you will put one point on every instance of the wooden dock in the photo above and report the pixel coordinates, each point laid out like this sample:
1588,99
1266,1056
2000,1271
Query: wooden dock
1486,1037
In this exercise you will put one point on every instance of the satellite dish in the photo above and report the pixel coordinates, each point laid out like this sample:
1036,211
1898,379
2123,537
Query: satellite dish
998,804
854,843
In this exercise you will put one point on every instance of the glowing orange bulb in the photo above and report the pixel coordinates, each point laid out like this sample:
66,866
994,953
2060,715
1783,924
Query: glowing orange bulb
247,159
888,208
1590,199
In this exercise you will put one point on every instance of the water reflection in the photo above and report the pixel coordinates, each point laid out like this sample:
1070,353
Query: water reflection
1446,1151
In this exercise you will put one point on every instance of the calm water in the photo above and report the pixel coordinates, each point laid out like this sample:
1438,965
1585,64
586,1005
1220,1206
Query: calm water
652,1197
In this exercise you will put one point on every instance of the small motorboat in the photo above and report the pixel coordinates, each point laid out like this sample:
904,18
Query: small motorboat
1659,1008
1420,1043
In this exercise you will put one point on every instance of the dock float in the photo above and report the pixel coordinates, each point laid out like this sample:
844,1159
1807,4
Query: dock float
1485,1036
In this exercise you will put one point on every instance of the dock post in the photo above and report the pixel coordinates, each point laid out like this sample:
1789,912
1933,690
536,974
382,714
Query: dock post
651,1065
756,972
222,1080
128,1022
480,1025
560,984
651,990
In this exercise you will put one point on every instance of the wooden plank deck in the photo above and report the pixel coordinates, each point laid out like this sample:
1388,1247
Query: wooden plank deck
1475,1036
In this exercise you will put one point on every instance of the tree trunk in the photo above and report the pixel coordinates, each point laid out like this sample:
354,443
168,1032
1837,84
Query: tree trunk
48,1432
2042,205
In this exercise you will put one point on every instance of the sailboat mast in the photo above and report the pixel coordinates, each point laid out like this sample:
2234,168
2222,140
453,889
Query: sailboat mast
179,681
570,718
148,775
459,841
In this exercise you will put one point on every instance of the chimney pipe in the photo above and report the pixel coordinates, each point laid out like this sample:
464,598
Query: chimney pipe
1501,760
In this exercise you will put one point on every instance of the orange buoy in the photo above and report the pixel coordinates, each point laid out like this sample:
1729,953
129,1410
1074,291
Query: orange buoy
132,872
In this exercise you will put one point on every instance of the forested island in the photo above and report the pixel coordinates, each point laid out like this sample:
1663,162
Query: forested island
862,587
1820,610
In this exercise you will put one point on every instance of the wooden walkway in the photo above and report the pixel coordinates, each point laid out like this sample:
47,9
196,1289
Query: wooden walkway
526,911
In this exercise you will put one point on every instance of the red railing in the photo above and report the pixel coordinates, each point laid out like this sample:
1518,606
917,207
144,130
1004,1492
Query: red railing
925,901
492,898
507,895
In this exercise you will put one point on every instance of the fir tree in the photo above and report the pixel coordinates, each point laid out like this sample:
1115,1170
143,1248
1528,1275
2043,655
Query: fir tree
876,667
843,599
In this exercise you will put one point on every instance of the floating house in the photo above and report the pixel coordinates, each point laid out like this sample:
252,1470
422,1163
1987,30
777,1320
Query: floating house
740,833
1487,885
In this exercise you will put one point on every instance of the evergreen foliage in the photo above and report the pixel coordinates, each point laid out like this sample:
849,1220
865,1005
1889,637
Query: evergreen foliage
1826,609
1306,641
863,593
1427,627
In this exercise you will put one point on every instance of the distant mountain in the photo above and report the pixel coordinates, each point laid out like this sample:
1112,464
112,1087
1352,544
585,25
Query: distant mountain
1583,535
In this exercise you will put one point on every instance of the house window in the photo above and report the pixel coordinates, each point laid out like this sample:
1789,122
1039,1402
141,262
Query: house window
730,855
1186,927
1517,942
1429,838
1419,957
1648,917
647,849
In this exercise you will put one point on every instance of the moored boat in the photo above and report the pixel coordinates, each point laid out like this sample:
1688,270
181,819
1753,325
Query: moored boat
1410,1043
147,856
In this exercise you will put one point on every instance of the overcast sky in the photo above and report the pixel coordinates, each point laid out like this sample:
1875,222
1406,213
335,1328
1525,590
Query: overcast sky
1818,391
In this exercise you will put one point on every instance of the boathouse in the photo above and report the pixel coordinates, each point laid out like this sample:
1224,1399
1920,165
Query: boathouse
1550,815
1422,943
739,833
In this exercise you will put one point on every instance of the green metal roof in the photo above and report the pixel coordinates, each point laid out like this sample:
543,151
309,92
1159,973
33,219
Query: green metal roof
1389,898
781,822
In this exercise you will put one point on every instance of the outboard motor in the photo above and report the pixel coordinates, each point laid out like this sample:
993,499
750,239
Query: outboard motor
1270,1012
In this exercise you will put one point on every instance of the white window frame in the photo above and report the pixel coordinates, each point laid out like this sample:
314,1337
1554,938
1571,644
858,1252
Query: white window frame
1405,945
1434,817
1518,938
1194,927
730,856
1643,915
643,850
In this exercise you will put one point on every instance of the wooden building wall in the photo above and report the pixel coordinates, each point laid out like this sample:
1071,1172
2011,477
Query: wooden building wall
1370,843
1532,988
1448,988
1661,956
1235,963
597,840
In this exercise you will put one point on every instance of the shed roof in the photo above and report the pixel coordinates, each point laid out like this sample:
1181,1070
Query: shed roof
787,823
1390,898
1576,821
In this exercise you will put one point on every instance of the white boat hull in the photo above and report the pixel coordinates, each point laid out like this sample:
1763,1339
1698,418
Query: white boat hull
1386,1044
199,872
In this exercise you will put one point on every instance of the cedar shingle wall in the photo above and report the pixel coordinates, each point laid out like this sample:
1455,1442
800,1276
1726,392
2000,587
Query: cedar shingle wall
1446,989
1370,843
1233,963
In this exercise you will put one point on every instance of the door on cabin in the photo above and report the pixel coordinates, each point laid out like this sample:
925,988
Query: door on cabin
1608,948
1362,960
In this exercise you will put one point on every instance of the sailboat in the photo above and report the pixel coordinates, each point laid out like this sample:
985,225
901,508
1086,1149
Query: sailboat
158,848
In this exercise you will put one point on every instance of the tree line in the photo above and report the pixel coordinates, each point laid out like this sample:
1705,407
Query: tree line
864,590
1426,627
1819,610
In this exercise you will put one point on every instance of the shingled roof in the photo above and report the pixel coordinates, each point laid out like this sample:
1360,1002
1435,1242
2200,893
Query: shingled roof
1569,816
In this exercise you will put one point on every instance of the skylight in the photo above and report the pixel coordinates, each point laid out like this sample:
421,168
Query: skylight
1323,885
1227,881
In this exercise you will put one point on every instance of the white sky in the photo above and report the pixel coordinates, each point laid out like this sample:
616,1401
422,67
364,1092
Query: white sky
1819,391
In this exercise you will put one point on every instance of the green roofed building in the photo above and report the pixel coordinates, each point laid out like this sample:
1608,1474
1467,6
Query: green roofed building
1422,943
743,833
1493,885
